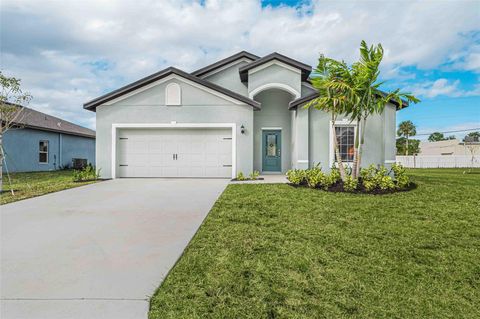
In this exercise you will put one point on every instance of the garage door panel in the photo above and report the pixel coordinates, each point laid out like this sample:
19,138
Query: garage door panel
175,152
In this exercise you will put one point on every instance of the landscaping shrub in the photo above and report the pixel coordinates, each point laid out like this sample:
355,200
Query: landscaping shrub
376,178
372,179
350,184
314,176
254,175
88,173
401,177
240,176
296,176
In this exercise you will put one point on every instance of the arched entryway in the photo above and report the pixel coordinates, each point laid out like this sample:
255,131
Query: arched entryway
273,131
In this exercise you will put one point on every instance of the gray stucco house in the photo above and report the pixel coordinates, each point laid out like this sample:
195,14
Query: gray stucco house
240,114
41,142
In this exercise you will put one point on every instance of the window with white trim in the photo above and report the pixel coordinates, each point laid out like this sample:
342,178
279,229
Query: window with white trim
173,94
43,152
345,141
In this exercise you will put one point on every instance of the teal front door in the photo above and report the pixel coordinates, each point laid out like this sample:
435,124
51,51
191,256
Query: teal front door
271,150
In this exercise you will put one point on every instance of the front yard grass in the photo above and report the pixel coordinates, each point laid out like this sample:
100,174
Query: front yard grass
274,251
33,184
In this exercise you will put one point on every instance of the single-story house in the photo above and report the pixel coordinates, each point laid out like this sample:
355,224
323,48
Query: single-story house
449,147
239,114
41,142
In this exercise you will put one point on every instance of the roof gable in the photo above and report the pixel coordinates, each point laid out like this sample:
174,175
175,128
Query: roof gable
91,105
304,68
223,62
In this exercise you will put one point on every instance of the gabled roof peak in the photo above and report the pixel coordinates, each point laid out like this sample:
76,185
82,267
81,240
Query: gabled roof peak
225,61
304,68
91,105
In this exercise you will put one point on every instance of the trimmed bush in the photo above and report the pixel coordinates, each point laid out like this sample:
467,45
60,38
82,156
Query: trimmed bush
401,177
350,184
240,176
88,173
296,176
254,175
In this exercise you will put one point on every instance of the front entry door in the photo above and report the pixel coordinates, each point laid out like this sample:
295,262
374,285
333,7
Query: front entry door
272,144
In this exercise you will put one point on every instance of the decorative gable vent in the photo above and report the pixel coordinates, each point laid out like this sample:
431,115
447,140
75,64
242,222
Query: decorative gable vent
173,94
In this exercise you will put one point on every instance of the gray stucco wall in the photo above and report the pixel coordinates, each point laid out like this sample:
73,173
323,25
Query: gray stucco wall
274,74
230,78
22,149
379,138
274,113
197,106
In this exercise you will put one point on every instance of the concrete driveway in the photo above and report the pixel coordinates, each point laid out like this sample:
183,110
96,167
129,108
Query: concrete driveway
97,251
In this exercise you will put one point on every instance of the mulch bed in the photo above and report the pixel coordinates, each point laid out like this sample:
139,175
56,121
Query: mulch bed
338,188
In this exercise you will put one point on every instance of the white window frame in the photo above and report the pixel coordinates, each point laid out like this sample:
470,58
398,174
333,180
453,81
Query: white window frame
344,123
43,152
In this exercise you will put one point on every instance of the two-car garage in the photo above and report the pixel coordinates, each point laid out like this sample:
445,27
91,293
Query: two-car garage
174,152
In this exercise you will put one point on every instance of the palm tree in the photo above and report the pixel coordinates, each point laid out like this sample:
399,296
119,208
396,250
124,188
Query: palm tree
406,129
369,99
333,81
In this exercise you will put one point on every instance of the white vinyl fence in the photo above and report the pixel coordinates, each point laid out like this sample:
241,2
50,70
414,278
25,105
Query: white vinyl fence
436,161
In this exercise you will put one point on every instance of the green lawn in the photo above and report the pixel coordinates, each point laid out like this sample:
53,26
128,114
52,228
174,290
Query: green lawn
274,251
33,184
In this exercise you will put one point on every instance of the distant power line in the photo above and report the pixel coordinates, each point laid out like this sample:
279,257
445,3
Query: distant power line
467,130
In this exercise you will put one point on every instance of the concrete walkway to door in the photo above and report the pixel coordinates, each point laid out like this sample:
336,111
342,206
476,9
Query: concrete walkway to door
97,251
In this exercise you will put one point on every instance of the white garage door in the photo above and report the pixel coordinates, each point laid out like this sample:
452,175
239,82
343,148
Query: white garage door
174,153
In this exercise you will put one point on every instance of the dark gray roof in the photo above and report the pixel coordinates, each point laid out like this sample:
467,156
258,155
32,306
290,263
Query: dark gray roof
219,64
295,103
91,105
304,68
31,118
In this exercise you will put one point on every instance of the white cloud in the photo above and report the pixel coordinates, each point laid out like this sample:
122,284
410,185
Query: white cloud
442,87
53,46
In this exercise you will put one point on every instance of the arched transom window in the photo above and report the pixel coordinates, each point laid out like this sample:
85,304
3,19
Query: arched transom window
173,94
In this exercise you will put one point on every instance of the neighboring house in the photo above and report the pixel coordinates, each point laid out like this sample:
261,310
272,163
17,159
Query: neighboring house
240,114
40,142
449,147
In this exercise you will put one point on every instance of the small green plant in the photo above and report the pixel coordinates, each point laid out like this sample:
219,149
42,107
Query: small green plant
254,175
350,184
88,173
296,176
314,176
401,177
376,178
334,175
240,176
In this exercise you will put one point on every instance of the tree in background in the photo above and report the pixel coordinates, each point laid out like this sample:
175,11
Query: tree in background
413,146
437,136
406,129
11,111
472,137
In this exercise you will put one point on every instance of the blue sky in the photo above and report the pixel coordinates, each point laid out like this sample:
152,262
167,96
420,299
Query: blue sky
432,48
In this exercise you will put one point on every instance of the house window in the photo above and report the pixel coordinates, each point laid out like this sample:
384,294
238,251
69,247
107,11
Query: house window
345,140
173,94
43,152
